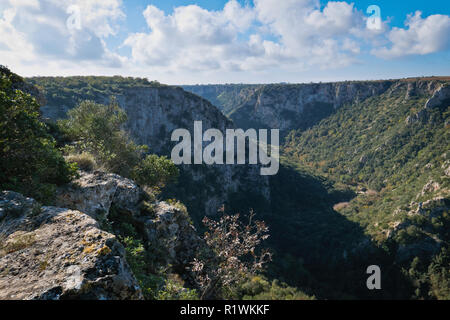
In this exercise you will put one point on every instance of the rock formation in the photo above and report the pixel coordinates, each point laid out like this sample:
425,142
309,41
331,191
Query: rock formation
63,253
166,226
56,253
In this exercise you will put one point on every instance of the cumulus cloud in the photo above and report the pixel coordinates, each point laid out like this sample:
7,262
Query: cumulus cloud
288,33
192,37
38,30
422,36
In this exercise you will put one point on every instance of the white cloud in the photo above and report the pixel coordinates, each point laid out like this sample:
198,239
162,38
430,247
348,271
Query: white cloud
192,38
422,36
311,36
35,32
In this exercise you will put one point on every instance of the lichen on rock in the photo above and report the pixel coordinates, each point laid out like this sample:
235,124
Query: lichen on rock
58,253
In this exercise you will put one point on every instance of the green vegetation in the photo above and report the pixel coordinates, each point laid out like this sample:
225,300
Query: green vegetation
370,149
155,171
84,160
70,91
259,288
30,163
96,129
389,172
99,140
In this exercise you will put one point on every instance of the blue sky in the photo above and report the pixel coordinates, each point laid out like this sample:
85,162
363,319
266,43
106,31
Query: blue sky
398,9
226,41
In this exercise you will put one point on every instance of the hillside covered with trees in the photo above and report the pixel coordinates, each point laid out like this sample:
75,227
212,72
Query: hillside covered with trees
362,182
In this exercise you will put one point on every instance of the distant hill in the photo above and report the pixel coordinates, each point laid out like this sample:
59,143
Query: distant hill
294,106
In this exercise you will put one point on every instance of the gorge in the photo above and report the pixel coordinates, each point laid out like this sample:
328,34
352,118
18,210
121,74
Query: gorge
363,180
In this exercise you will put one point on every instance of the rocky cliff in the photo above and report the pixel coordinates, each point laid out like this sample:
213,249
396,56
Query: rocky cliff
112,199
154,111
70,251
300,106
225,97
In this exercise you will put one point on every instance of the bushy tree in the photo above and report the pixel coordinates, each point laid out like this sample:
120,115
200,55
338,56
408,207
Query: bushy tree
155,171
30,163
259,288
97,130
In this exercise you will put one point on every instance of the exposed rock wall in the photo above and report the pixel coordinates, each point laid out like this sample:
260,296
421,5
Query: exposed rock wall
300,106
153,113
94,194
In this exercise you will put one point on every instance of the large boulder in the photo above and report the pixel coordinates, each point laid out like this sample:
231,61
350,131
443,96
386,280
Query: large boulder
94,194
57,253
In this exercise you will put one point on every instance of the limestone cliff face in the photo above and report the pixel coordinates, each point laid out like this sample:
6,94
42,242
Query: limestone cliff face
153,113
439,97
225,97
300,106
287,106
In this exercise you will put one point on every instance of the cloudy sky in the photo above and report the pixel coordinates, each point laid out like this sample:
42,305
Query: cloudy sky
224,41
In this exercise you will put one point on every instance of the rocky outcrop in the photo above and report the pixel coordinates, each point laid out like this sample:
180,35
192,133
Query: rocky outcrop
170,230
94,193
440,97
420,117
427,241
63,253
165,227
57,253
417,87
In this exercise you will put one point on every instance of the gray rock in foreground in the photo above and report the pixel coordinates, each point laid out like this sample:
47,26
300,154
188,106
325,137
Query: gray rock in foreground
56,253
167,227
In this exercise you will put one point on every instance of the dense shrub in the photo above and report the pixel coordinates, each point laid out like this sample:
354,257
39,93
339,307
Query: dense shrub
97,130
155,171
259,288
29,160
85,161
